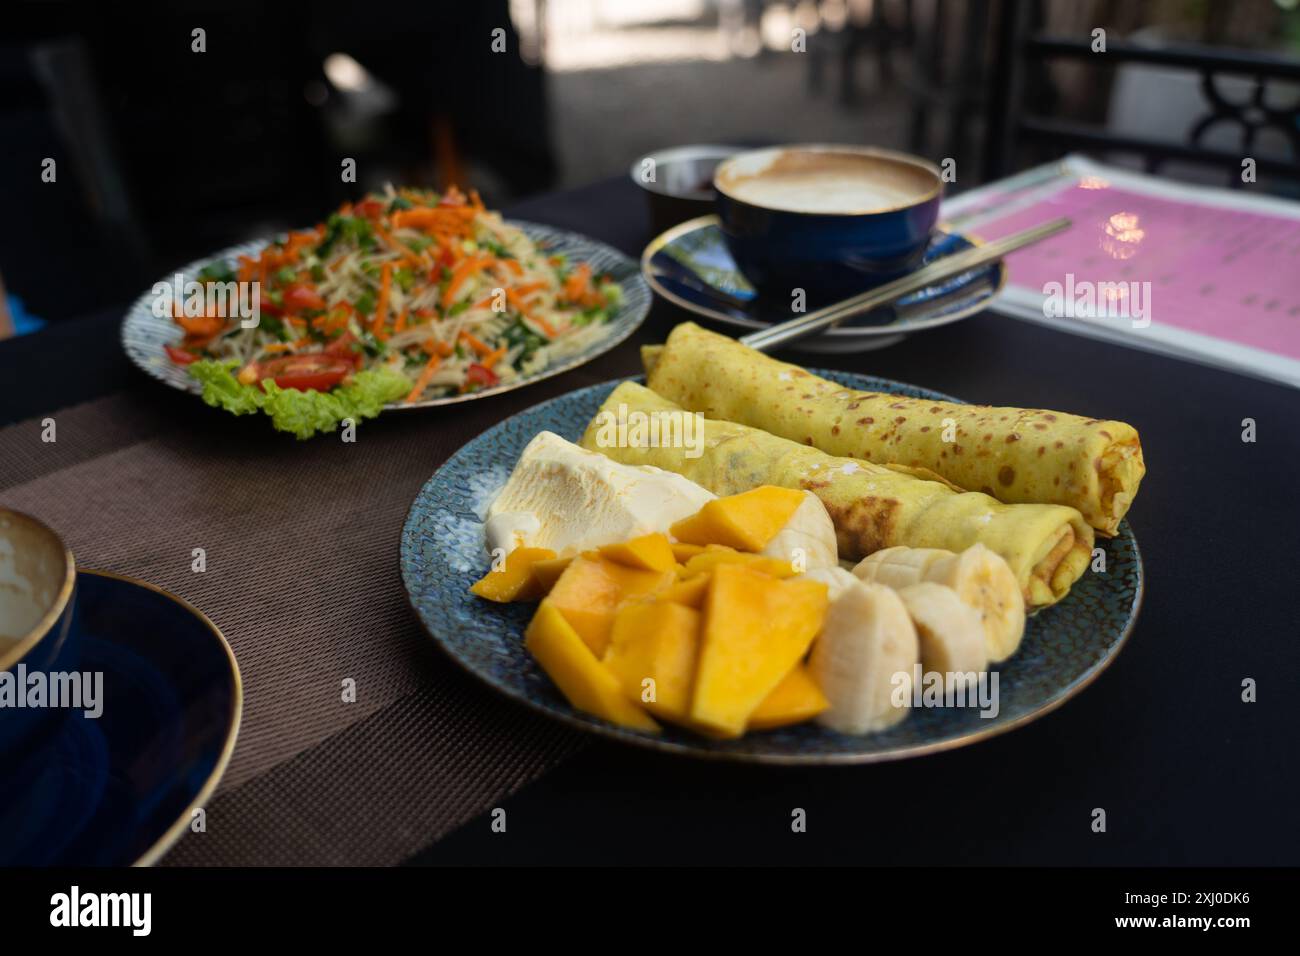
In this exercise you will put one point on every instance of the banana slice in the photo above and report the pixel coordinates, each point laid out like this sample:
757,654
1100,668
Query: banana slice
950,633
866,639
836,580
980,577
899,567
986,582
808,539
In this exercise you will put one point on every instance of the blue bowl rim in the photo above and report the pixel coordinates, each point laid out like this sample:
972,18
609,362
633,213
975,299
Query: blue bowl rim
876,152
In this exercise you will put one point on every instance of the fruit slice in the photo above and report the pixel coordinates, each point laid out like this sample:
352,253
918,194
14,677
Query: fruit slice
684,552
949,630
515,581
689,592
582,679
546,573
591,590
899,567
756,628
866,641
796,699
650,552
712,556
807,540
652,651
746,522
980,577
985,581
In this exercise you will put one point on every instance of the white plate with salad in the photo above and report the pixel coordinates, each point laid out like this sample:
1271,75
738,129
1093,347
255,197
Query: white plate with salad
407,299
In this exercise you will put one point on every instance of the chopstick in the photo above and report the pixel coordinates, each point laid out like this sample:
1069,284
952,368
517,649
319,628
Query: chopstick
945,268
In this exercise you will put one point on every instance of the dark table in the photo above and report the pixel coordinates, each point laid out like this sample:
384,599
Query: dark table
1187,772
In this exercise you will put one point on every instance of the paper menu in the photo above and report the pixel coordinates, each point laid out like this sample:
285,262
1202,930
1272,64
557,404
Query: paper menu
1207,274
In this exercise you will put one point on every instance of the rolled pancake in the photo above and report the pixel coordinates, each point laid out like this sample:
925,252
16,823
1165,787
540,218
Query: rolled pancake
1013,454
873,507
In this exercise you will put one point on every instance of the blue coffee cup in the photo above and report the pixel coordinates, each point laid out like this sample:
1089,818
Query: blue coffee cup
829,220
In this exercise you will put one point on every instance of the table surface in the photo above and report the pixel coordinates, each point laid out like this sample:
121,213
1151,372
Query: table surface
1187,772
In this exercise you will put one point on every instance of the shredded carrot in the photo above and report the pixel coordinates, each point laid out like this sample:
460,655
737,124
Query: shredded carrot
426,374
474,342
459,275
493,357
400,324
381,307
279,347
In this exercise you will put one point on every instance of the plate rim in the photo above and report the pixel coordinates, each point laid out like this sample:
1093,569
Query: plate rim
176,830
612,732
634,319
655,245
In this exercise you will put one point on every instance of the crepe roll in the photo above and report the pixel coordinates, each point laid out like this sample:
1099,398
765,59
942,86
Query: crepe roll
872,507
1016,455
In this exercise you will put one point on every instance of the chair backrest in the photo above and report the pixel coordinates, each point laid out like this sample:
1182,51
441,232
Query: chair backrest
1248,103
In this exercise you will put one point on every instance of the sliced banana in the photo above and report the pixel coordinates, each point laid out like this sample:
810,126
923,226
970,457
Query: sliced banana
866,640
808,539
949,630
986,582
836,580
980,577
899,567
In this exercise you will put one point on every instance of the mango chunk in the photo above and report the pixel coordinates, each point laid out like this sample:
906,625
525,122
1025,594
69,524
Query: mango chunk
650,552
515,581
592,588
548,571
711,557
684,552
652,651
689,592
582,679
756,628
796,699
746,522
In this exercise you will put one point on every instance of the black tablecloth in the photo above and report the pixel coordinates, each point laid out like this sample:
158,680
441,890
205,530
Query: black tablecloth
1187,772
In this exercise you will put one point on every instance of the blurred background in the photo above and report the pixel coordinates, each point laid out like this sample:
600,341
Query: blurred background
163,153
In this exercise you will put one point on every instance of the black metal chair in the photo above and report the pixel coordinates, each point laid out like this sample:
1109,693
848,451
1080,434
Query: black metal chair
1016,125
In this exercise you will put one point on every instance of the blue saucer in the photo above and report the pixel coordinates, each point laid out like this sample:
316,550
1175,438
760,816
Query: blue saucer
690,266
120,789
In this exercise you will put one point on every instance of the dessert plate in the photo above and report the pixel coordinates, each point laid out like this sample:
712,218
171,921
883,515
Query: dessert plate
442,553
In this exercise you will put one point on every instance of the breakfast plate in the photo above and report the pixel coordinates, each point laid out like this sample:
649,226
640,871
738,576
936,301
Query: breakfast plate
121,788
1065,646
146,336
690,266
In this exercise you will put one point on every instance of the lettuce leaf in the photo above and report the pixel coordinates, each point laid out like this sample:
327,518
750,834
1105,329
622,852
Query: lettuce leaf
303,414
222,390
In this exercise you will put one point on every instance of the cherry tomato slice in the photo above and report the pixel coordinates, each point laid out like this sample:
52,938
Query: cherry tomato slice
300,297
344,347
180,356
303,372
480,375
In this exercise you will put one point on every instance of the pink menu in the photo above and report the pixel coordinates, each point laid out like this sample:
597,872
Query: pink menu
1200,266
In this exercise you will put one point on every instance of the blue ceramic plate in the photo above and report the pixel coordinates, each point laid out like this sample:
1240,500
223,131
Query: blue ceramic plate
120,789
690,266
1065,646
144,334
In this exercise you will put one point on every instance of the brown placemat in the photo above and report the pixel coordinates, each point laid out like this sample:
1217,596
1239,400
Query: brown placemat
301,542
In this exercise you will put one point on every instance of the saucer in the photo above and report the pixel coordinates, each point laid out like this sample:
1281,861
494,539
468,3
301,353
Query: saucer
120,789
690,266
